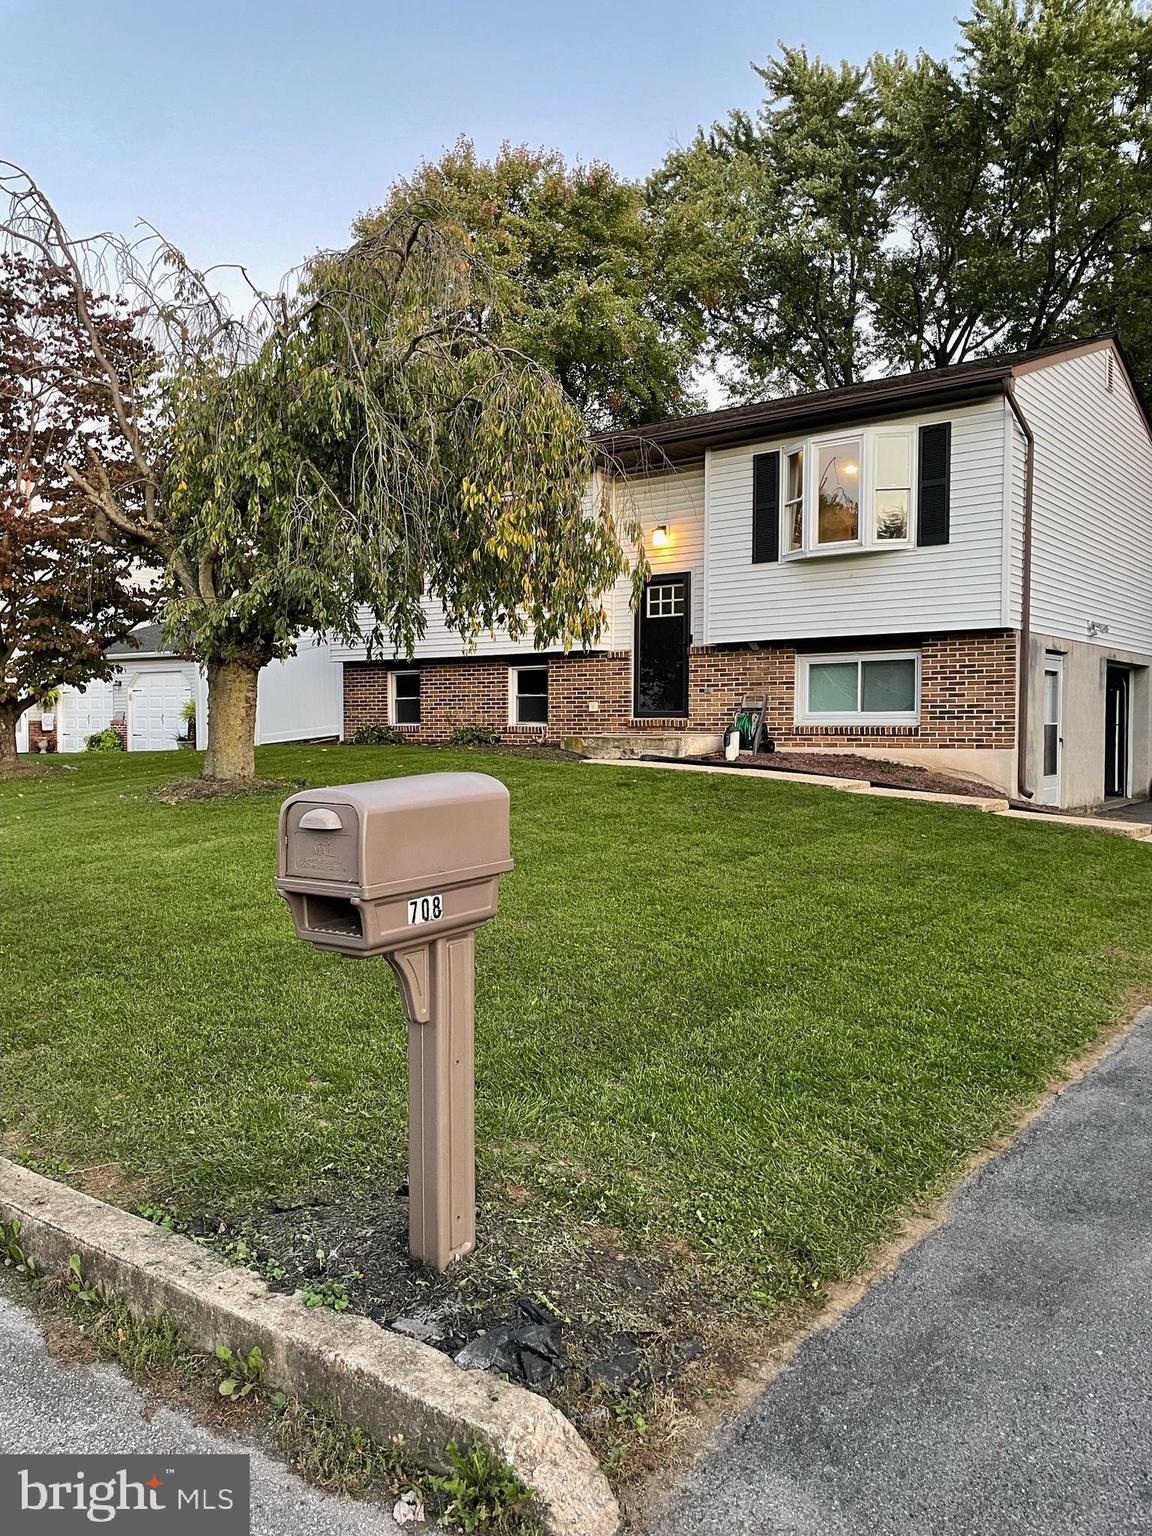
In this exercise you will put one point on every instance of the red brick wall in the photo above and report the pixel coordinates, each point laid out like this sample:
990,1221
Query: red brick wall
40,740
968,689
967,693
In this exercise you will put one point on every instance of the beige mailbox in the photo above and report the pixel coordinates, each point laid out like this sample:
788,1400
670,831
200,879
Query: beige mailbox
409,869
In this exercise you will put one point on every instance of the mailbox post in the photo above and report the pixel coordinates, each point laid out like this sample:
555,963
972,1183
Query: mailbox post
409,869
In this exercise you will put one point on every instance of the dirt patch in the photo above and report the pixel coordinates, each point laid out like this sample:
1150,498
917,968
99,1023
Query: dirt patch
624,1343
35,768
181,791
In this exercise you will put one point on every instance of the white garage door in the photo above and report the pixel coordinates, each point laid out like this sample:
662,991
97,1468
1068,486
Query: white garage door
80,715
155,702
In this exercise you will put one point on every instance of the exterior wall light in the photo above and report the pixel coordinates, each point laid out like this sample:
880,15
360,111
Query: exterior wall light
661,538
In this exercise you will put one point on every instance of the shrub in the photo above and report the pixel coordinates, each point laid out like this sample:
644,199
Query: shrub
474,736
106,740
376,736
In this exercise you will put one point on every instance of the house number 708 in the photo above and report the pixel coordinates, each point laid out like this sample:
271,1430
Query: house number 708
425,909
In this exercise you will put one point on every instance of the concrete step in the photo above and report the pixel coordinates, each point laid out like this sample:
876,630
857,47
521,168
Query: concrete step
614,745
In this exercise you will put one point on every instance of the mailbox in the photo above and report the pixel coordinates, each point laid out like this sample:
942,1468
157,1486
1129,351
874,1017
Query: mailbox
366,868
408,869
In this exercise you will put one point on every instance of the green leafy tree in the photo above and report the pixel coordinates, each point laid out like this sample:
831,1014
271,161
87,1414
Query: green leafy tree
918,212
363,439
576,282
772,226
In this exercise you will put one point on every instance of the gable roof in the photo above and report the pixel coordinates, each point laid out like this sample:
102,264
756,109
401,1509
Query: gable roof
145,640
686,437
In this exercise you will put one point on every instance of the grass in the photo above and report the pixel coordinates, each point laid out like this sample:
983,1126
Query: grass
758,1017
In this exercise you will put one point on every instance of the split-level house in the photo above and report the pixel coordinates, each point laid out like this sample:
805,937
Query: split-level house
951,568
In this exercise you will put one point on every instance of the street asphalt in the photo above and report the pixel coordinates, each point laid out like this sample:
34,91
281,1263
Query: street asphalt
1000,1381
51,1406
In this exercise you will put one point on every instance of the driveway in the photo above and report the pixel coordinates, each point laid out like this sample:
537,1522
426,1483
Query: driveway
51,1406
1000,1381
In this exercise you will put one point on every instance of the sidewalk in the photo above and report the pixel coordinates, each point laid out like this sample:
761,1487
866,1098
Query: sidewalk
49,1406
1000,1381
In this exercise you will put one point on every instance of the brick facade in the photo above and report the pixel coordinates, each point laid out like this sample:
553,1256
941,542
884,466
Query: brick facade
40,740
967,695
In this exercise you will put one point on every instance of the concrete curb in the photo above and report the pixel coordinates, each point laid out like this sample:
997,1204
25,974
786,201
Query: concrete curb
380,1381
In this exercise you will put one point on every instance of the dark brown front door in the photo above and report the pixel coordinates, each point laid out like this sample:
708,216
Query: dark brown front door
662,638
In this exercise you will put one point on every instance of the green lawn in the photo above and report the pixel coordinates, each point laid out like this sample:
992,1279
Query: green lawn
761,1016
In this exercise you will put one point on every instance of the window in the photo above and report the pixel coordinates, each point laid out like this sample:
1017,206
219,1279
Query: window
530,695
665,600
838,492
892,496
882,687
406,698
794,500
882,488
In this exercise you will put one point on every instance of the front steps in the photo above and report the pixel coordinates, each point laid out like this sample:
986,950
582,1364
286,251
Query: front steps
617,745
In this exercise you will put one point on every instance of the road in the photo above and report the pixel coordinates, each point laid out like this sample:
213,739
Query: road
50,1405
999,1383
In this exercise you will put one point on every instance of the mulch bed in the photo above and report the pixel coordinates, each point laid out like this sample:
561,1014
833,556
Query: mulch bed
854,765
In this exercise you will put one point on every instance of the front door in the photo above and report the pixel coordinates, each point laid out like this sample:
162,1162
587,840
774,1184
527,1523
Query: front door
662,640
1116,693
1053,738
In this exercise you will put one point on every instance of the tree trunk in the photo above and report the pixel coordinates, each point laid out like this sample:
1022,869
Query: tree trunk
9,714
231,720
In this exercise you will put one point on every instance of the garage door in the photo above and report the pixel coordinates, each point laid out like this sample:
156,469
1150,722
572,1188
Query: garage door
155,702
79,715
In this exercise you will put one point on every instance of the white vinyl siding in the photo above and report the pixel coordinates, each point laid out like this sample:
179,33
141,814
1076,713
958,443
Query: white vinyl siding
950,586
675,499
1092,504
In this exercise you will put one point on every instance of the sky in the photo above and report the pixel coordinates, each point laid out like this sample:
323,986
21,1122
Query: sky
255,131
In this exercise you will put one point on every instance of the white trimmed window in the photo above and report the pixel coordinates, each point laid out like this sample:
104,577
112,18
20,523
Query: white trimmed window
529,695
849,491
870,688
405,698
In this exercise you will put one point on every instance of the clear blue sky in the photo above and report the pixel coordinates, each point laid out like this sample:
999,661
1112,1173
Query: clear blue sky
255,130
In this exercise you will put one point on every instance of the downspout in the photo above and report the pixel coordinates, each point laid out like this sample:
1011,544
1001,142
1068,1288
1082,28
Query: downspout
1024,662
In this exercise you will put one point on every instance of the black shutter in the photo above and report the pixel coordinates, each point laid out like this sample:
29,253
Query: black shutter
765,507
935,474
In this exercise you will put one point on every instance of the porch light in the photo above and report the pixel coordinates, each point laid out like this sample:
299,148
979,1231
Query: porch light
661,538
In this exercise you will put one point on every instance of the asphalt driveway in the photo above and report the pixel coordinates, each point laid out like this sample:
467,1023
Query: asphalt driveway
1000,1381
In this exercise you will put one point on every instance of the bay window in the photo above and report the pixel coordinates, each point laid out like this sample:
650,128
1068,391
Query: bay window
856,491
870,688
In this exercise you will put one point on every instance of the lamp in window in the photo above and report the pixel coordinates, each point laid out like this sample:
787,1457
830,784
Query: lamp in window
661,538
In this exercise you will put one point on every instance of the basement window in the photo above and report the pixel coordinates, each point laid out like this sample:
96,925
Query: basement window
405,698
530,695
875,688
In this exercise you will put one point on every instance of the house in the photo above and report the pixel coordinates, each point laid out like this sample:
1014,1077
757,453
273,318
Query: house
297,699
950,568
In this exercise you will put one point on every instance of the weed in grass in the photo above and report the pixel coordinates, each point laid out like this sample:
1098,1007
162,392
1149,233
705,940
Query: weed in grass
12,1254
330,1293
243,1371
482,1494
77,1285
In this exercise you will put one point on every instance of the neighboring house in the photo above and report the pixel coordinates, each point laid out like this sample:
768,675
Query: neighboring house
951,567
297,700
